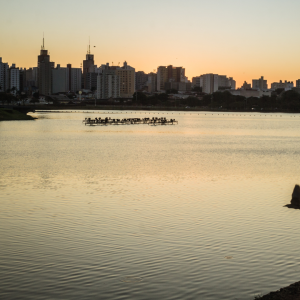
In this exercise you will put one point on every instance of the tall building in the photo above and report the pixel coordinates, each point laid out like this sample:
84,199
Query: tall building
4,76
75,76
211,83
44,72
169,74
141,79
298,83
127,80
31,79
260,84
91,81
22,79
152,82
14,78
196,81
60,80
88,67
287,85
232,83
108,84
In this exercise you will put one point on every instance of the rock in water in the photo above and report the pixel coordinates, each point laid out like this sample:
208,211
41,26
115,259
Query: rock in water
296,196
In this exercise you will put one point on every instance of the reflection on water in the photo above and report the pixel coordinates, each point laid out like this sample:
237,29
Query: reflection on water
192,211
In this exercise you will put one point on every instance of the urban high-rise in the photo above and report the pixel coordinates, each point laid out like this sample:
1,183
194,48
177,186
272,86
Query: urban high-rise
14,78
88,67
75,75
260,84
169,74
4,76
108,84
44,71
127,80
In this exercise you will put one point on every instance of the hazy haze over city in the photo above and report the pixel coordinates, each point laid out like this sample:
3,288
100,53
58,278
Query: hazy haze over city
242,39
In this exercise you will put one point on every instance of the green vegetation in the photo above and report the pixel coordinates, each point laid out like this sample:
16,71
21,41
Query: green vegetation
172,91
6,98
197,89
11,114
279,101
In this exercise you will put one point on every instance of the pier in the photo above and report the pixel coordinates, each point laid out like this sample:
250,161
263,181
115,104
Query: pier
129,121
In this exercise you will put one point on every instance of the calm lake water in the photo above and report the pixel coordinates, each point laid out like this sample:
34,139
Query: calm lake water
192,211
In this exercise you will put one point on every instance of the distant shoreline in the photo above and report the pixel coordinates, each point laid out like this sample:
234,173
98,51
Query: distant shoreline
154,108
60,108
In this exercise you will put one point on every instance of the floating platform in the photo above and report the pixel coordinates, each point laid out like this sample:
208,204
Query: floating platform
129,121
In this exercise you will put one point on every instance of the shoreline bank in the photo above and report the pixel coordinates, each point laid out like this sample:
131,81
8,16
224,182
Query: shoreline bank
13,115
291,292
137,108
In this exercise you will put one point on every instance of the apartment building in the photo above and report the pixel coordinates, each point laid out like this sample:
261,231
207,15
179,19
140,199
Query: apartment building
14,78
211,83
127,80
4,76
31,79
75,80
287,85
108,84
152,82
259,84
169,74
196,81
246,86
60,80
141,79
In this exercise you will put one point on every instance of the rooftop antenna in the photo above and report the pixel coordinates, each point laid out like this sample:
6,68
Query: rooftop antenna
89,45
43,47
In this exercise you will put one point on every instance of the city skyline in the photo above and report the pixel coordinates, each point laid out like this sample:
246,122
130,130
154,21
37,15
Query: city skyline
243,40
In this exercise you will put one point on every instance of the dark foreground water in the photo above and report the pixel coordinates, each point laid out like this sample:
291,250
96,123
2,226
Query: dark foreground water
193,211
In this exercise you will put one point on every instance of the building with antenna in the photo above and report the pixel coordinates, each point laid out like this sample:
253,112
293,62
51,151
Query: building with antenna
88,67
44,71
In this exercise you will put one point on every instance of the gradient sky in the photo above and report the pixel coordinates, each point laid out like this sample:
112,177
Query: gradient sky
239,38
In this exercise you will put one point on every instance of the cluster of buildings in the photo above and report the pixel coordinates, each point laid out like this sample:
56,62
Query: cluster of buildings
107,81
213,82
46,78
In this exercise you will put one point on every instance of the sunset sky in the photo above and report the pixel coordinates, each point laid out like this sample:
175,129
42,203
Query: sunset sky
238,38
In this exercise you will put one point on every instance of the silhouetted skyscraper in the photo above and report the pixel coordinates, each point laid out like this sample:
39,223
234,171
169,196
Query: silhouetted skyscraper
88,67
44,72
4,76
